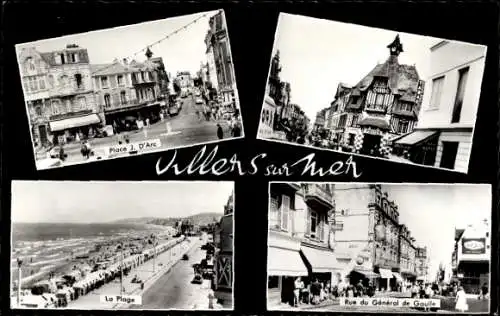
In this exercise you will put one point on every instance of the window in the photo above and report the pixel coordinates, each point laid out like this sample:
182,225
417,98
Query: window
107,100
82,102
449,155
79,81
405,106
63,81
143,76
123,97
31,84
29,65
73,57
354,99
285,211
62,59
314,221
403,127
104,82
354,122
41,83
463,74
38,111
437,91
56,104
119,78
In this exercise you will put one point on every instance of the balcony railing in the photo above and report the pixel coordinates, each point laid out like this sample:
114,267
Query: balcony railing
71,114
126,104
316,193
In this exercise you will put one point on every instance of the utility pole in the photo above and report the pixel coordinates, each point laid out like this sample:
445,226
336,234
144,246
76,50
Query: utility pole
19,264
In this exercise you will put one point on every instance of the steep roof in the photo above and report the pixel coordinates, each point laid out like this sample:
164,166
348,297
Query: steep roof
401,77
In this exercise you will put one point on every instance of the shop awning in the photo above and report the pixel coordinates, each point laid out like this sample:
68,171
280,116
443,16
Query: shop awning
321,260
385,274
74,122
284,262
367,273
398,276
415,137
377,122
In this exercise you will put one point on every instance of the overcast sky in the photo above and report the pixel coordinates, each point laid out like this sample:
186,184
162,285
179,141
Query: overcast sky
182,51
317,54
432,212
84,202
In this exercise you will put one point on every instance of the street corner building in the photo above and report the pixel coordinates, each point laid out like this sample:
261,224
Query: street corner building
79,95
418,106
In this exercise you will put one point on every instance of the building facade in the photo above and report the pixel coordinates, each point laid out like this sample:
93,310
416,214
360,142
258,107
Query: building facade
124,89
383,105
185,80
422,264
443,136
471,256
59,95
223,284
300,238
217,42
368,237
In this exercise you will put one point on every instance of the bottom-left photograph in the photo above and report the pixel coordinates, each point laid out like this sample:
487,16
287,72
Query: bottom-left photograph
162,245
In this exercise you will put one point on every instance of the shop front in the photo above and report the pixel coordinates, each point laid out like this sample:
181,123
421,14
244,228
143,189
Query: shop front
370,137
124,118
321,265
74,128
386,279
419,146
284,266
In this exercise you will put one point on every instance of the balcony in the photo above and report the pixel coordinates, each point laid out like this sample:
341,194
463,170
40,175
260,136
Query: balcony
129,104
68,90
317,196
138,80
71,114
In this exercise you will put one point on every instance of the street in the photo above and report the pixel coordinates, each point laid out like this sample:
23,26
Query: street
184,129
174,289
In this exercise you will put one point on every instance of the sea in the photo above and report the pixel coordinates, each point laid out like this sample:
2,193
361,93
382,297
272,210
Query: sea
53,231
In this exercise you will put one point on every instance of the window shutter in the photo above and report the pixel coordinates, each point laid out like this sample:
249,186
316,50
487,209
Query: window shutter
285,210
308,222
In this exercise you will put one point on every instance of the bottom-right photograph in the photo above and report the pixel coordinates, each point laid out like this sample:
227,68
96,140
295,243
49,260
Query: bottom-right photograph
379,247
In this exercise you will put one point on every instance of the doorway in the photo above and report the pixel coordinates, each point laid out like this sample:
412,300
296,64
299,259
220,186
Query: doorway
42,130
371,145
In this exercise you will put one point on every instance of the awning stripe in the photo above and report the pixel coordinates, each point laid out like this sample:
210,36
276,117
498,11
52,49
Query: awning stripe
74,122
284,262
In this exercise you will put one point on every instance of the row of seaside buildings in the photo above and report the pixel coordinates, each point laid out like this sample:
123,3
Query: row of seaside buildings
67,95
391,111
339,233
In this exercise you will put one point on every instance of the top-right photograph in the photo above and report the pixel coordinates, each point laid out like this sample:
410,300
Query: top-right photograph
379,93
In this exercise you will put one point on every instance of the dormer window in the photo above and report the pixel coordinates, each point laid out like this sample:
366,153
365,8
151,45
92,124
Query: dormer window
73,57
30,65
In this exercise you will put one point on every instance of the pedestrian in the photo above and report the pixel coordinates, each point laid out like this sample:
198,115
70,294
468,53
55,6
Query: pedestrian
296,291
147,122
62,156
236,127
484,291
461,301
220,132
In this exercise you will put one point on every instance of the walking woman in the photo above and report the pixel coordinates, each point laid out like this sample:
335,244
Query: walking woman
461,301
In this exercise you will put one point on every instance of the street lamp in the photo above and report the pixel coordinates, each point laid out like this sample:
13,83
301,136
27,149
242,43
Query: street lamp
19,264
153,241
120,248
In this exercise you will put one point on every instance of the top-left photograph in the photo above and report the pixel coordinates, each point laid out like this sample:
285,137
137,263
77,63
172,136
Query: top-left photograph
130,90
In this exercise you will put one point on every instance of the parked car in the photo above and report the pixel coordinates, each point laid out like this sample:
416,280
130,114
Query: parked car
173,110
185,257
199,101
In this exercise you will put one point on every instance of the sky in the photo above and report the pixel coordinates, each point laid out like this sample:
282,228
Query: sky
94,202
180,52
432,212
316,55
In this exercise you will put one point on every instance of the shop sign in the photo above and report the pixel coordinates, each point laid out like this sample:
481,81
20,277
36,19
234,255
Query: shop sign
372,131
473,246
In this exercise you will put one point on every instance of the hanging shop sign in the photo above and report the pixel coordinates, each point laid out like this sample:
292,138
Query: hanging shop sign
474,246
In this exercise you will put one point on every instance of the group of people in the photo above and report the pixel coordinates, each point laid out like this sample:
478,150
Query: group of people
235,127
